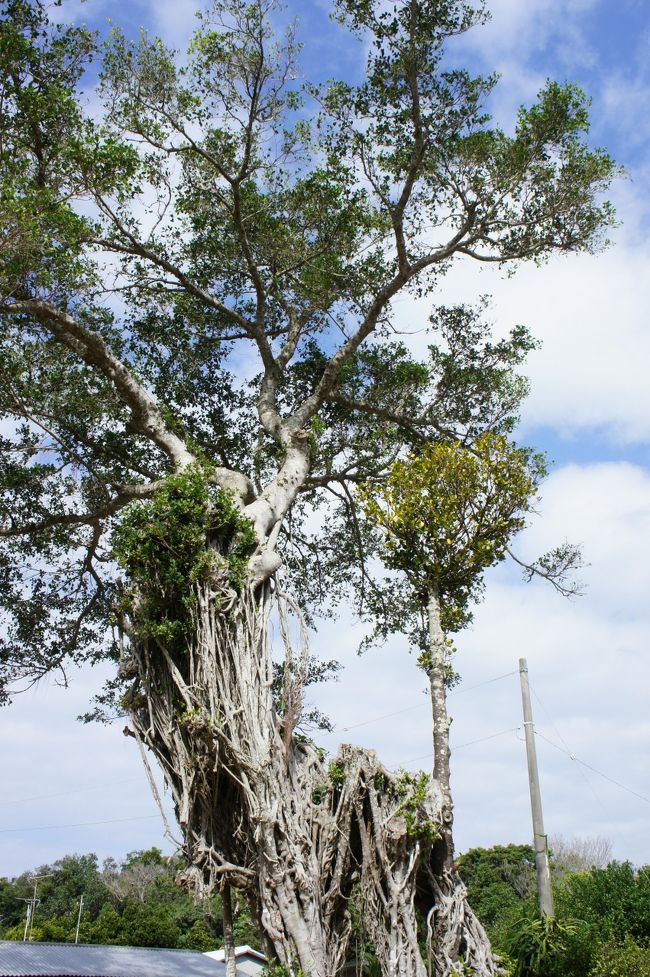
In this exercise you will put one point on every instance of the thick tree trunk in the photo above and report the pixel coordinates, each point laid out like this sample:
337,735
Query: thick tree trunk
244,800
260,810
390,861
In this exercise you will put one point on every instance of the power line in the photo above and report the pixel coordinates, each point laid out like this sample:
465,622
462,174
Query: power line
344,729
146,817
582,763
82,824
376,719
73,790
492,736
461,746
479,685
605,776
420,705
568,750
550,719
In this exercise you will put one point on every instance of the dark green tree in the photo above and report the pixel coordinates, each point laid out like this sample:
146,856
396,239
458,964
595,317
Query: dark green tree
135,901
11,907
498,880
148,926
614,901
602,926
220,214
71,877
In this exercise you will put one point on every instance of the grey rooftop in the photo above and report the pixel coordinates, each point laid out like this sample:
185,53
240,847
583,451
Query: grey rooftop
68,960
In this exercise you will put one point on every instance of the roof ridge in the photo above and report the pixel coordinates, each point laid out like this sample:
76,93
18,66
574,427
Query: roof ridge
103,946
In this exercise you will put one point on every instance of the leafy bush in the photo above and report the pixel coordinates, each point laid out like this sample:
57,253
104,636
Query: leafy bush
615,901
626,959
497,880
538,945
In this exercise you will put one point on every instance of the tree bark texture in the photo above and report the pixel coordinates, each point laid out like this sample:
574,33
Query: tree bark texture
228,932
455,936
262,811
438,655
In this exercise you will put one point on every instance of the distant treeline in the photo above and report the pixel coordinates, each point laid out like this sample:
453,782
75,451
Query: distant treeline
601,926
135,902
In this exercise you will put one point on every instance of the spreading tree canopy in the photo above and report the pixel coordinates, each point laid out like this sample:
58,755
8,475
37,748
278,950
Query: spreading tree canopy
221,220
198,348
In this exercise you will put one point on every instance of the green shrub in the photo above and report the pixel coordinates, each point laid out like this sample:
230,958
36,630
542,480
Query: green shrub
626,959
537,946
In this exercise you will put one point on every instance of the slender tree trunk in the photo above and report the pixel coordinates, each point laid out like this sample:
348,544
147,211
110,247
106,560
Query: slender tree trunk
456,938
228,933
438,652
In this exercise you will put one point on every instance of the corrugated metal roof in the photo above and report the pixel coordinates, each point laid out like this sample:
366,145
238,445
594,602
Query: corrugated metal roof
68,960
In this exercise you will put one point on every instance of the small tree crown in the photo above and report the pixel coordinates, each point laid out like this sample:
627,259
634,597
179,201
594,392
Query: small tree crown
449,512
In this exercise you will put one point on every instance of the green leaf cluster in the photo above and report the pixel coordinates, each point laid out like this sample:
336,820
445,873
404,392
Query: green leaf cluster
336,773
187,533
622,959
602,924
410,791
537,943
498,879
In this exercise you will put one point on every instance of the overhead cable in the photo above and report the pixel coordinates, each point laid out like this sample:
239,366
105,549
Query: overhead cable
420,705
71,790
605,776
461,746
81,824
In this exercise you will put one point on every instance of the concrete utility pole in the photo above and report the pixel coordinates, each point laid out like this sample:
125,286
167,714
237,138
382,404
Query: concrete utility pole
541,855
28,915
31,906
81,904
228,933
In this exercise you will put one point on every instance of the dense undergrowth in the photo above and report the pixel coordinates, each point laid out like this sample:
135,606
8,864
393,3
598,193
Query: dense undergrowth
602,915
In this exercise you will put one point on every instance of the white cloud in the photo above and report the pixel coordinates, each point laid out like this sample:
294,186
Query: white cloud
517,29
588,665
606,507
624,102
174,21
591,313
58,772
527,42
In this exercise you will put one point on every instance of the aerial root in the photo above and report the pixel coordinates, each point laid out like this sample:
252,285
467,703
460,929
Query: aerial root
456,939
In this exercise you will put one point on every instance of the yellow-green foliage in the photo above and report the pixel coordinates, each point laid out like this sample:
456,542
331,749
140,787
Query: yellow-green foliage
450,511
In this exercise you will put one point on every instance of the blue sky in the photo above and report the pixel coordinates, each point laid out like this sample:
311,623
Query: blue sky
589,408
